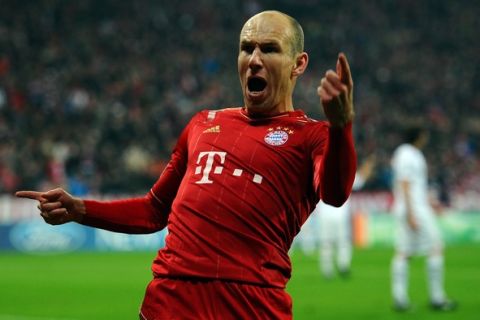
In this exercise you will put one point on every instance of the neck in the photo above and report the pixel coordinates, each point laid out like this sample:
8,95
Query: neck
262,111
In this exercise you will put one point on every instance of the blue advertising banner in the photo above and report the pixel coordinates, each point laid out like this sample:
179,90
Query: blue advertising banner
22,229
38,237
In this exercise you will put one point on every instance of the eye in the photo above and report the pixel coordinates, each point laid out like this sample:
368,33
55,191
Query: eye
270,48
248,48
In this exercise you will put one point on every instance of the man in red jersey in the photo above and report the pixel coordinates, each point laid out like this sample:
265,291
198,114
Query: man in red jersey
239,185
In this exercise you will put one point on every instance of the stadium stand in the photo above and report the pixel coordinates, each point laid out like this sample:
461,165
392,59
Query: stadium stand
94,93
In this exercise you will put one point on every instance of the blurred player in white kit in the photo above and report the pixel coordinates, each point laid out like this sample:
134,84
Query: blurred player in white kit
335,229
417,232
328,230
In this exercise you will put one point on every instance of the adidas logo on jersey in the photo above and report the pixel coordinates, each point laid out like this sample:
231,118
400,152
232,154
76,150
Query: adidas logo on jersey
214,129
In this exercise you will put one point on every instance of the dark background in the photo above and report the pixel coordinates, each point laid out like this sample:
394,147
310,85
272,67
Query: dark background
93,94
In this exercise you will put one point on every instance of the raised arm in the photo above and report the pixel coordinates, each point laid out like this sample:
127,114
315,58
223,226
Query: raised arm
338,165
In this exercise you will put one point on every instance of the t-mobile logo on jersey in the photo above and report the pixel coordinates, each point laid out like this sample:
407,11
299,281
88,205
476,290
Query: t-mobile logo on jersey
207,169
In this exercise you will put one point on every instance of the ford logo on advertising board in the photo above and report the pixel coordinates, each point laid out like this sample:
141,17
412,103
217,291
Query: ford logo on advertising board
42,238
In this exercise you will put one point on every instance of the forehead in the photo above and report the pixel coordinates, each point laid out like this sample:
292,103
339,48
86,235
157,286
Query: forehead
266,29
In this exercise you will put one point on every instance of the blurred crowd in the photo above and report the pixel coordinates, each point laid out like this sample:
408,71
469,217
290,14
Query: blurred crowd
93,94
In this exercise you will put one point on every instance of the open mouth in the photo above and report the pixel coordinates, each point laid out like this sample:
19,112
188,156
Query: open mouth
256,84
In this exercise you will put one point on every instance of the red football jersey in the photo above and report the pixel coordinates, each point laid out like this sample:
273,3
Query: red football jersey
236,192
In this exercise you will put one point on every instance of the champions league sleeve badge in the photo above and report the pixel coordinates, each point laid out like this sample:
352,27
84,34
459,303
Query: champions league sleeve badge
277,136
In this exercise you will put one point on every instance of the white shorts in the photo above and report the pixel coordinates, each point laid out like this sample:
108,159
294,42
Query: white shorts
425,239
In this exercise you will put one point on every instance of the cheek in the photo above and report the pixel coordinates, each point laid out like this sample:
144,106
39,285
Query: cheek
239,64
282,77
283,71
242,62
242,67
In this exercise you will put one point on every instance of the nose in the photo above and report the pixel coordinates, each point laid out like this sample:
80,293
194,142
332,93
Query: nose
255,63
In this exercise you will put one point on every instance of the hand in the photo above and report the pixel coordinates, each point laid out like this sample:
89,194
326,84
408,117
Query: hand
56,206
336,93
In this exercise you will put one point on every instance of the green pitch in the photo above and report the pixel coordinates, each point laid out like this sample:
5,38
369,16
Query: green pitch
111,286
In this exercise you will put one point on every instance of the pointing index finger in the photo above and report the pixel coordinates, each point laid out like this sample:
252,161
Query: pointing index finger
343,70
34,195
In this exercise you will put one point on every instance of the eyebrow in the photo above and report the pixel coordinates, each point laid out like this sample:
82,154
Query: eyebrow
262,44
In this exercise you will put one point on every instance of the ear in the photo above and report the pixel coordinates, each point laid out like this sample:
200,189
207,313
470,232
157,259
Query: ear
300,64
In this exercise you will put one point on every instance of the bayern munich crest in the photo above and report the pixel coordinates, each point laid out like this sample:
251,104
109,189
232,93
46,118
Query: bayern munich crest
277,136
